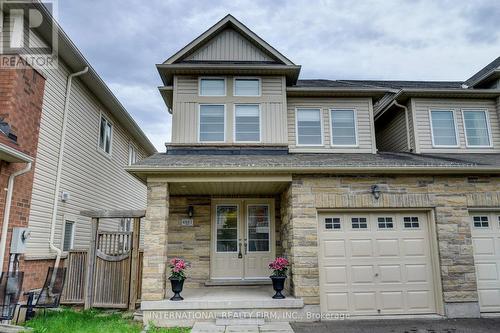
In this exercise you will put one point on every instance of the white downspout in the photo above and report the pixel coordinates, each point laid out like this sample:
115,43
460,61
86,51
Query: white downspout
6,213
408,139
52,246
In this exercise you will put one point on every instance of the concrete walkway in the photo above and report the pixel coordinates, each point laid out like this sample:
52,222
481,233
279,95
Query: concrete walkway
206,327
482,325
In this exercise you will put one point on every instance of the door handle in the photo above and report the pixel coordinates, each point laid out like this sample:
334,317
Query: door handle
245,246
240,256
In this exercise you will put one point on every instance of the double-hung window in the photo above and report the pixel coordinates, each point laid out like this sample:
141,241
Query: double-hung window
477,132
132,154
444,131
212,123
247,123
308,123
246,87
105,133
212,87
343,127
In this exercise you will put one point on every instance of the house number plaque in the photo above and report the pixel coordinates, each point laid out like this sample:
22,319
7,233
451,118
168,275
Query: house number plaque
187,222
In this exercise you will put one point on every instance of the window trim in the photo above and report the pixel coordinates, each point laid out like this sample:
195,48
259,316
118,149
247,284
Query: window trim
411,227
247,78
355,111
393,219
323,220
481,227
234,123
238,227
322,144
131,146
247,236
367,218
457,137
73,222
488,127
212,78
199,123
102,150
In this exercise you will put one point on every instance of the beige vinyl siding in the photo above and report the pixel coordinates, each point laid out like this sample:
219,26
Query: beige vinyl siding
411,127
93,179
392,132
186,108
364,119
422,106
229,45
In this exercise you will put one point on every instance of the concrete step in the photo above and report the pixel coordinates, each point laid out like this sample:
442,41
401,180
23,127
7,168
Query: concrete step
222,283
239,321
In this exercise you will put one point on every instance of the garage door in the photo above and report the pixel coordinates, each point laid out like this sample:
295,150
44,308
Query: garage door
374,264
485,228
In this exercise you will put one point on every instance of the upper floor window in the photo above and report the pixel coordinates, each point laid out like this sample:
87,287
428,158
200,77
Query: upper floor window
212,123
477,132
132,154
343,127
309,129
213,87
105,134
246,87
247,123
444,130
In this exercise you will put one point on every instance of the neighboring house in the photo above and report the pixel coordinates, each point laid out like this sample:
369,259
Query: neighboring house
384,195
98,139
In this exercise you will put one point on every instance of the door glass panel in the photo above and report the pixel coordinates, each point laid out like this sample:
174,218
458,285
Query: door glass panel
258,224
227,228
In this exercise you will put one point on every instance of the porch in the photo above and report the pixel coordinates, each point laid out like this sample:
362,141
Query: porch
224,305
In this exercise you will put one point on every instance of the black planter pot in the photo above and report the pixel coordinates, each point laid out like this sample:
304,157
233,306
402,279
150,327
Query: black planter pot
177,285
278,286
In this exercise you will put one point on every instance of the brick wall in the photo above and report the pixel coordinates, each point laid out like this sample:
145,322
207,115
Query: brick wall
21,97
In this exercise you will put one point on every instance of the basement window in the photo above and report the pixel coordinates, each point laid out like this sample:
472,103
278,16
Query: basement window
481,221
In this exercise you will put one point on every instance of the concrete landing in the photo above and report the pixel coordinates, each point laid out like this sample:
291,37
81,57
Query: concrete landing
278,327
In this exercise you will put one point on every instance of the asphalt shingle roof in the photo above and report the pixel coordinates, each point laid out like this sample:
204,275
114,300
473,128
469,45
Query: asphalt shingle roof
380,84
491,66
384,160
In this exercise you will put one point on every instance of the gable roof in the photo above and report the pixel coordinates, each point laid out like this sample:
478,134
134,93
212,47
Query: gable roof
228,21
484,73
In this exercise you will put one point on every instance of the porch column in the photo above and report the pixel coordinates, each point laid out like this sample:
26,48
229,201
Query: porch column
155,242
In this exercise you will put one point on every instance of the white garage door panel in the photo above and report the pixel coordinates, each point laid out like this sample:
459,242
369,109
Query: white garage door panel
485,230
375,270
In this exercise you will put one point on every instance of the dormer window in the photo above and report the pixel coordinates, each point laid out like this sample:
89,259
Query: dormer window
246,87
212,87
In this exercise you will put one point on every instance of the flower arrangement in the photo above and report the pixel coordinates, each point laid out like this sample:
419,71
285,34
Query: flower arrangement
177,268
279,266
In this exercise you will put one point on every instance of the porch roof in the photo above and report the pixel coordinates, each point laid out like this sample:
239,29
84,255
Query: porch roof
385,162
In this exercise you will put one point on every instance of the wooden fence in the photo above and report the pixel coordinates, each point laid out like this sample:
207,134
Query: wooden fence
74,288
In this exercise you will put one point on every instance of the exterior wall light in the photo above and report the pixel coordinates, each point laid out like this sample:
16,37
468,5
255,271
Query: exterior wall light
376,191
190,211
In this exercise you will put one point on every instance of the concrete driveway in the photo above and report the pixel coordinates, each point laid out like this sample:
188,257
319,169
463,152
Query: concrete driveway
482,325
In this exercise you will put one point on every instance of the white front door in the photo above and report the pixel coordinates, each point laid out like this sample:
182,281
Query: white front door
242,239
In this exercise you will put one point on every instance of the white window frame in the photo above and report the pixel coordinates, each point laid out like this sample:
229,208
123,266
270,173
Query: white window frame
411,227
297,127
132,148
247,234
102,150
394,221
356,144
73,222
332,217
238,227
488,127
212,78
234,123
359,217
247,78
199,122
457,137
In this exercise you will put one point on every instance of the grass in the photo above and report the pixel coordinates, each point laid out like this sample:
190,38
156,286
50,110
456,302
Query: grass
90,321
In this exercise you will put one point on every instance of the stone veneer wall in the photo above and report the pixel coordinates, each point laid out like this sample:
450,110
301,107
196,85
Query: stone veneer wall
163,219
449,197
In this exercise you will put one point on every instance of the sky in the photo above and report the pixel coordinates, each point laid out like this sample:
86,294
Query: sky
355,39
